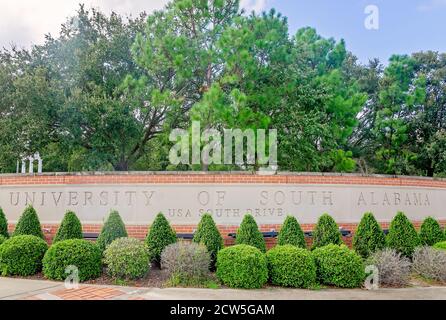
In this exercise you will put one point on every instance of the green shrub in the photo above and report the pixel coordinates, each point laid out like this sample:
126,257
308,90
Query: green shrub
326,232
242,266
70,228
3,224
291,266
160,236
402,235
82,254
430,232
113,229
208,235
22,255
339,266
291,233
29,224
2,239
249,234
440,245
369,236
186,262
127,258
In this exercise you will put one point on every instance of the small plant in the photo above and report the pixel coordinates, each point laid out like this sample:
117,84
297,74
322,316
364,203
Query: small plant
113,229
29,224
3,224
160,236
339,266
430,232
291,266
22,255
127,258
440,245
208,235
242,266
369,236
186,263
82,254
393,267
430,263
2,239
70,228
326,232
249,234
402,235
291,233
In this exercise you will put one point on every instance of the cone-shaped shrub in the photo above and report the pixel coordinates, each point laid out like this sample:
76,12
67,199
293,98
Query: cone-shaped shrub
369,236
113,228
430,232
160,236
29,224
3,224
402,235
208,235
291,233
70,228
249,234
326,232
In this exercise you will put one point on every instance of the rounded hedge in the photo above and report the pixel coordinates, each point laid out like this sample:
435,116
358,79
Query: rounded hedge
208,235
402,235
440,245
70,228
326,232
22,255
127,258
82,254
249,234
113,229
339,266
3,224
242,266
29,224
369,236
291,233
290,266
160,236
430,232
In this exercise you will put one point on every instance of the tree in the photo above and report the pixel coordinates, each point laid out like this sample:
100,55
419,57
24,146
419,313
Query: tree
114,228
3,224
249,234
326,232
430,232
29,224
369,236
402,235
70,228
291,233
160,236
207,234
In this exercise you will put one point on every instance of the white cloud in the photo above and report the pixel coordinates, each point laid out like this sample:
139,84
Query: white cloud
432,5
253,5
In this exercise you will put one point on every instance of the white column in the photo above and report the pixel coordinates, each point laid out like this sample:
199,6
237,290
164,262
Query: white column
23,166
31,165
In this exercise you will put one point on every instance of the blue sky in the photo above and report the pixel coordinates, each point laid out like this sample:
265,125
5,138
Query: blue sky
405,26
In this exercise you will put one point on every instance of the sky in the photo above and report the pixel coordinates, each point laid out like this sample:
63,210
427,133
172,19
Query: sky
405,26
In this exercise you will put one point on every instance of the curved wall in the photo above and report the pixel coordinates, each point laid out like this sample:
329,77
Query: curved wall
183,197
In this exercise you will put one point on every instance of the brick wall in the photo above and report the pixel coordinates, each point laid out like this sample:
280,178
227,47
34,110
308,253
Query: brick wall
214,178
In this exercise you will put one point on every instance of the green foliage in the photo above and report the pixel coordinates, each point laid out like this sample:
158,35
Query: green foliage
242,266
82,254
127,258
291,233
430,232
22,255
208,235
326,232
339,266
290,266
113,228
2,239
3,224
249,234
369,236
440,245
402,235
29,224
160,236
70,228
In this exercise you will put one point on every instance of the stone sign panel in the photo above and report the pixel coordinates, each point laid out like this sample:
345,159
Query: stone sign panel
184,204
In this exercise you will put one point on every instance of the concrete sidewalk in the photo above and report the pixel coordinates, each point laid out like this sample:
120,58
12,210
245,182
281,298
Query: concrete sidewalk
20,289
